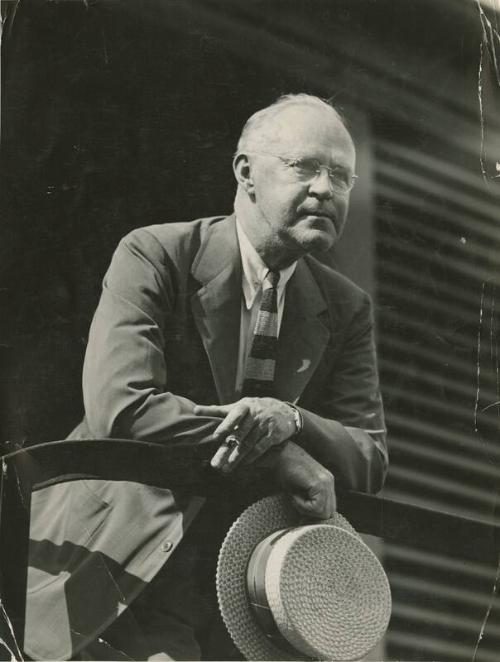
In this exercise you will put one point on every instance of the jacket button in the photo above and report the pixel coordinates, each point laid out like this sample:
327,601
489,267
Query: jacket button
166,546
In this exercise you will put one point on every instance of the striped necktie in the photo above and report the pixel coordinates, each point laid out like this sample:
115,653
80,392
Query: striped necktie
261,362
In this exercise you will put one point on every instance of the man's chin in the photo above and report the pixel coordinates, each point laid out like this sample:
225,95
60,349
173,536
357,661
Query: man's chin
317,240
318,233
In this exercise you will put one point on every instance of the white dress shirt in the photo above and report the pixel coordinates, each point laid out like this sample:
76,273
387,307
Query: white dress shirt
253,273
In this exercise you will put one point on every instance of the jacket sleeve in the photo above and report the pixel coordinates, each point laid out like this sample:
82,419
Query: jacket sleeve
346,430
125,376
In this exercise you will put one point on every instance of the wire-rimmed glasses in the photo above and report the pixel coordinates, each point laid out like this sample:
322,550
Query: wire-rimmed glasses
307,170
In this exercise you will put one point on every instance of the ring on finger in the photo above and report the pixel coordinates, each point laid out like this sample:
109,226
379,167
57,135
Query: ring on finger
233,440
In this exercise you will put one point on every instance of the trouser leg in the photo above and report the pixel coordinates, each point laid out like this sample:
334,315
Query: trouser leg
176,617
160,623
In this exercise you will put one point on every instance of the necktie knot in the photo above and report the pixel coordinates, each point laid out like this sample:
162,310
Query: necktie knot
273,278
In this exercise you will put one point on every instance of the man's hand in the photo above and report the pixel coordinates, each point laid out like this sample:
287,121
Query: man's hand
254,424
310,485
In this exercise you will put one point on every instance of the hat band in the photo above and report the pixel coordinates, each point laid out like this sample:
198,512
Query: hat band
256,590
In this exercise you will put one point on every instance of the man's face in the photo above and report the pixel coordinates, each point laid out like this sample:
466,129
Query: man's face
301,216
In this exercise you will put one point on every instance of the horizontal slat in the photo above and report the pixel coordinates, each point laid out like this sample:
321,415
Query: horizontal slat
455,174
443,408
401,271
391,344
459,596
396,292
457,199
468,224
476,272
455,440
442,484
434,647
439,503
466,391
421,558
416,226
474,468
425,328
449,620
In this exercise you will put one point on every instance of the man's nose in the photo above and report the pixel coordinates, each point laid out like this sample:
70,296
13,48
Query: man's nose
321,185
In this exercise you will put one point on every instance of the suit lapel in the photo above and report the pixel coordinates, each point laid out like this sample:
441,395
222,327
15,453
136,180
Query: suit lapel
304,334
216,305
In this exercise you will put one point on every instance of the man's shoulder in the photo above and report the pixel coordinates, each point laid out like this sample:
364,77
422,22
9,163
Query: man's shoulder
168,246
172,235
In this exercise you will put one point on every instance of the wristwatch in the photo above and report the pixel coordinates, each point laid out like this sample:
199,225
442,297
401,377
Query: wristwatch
297,417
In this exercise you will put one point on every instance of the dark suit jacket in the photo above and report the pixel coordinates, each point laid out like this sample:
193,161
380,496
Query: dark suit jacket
165,335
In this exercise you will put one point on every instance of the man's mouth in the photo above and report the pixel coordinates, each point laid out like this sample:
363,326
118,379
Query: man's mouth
320,214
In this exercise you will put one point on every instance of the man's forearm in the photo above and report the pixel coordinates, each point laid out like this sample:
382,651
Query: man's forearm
356,457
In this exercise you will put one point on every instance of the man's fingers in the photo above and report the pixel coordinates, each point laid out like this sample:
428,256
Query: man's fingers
321,506
232,414
232,421
252,445
235,457
220,456
304,506
315,509
219,459
212,410
236,452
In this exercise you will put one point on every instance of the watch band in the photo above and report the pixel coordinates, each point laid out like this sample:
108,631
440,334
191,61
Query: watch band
297,417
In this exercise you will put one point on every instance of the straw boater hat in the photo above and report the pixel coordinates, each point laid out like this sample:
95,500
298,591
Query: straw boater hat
292,592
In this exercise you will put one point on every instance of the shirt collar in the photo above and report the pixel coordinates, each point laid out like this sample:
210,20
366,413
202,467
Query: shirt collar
255,270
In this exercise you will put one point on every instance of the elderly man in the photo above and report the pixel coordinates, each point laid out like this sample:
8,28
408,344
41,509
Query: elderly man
223,328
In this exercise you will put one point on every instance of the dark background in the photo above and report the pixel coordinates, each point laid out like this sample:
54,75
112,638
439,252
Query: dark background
117,114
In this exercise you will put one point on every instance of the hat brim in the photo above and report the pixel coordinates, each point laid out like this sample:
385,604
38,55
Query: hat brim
256,523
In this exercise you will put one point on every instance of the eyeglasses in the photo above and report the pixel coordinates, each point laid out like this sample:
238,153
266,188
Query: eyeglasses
307,170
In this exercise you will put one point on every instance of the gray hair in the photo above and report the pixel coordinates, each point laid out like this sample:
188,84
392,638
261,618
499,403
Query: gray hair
254,124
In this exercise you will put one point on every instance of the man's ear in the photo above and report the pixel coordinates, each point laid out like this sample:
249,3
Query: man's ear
243,173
